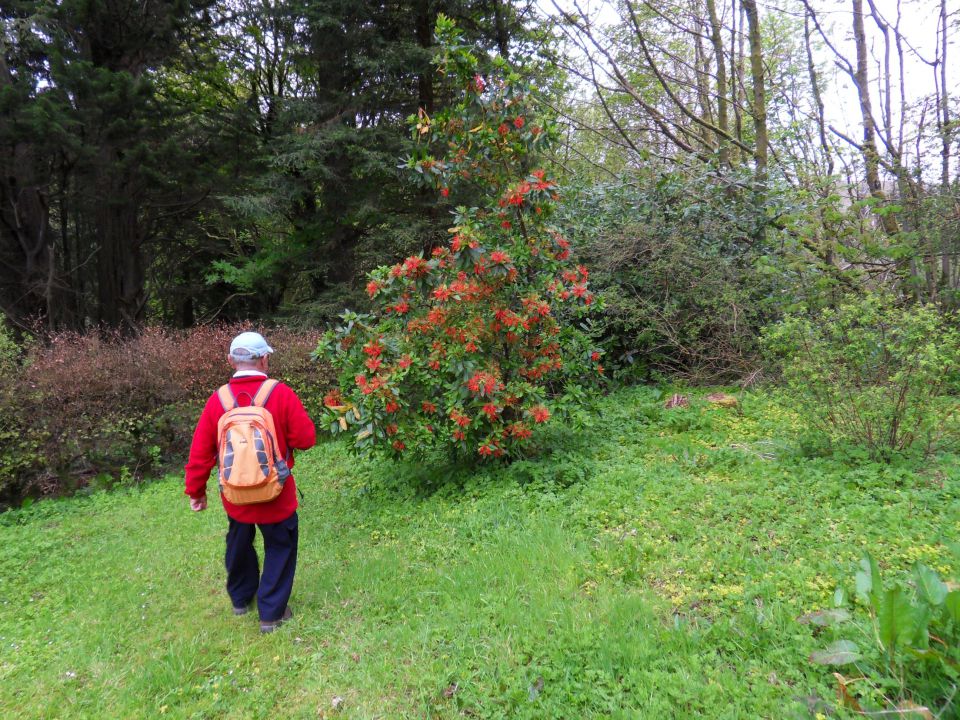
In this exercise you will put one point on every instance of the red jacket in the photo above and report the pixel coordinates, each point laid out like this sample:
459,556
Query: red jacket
294,430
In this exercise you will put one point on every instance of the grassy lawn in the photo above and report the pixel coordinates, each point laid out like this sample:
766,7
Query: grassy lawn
653,565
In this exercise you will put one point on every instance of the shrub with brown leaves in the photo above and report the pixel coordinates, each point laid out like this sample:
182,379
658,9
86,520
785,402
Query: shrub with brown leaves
98,409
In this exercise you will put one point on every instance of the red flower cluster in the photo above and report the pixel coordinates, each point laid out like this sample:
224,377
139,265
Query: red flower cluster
370,386
332,398
488,449
539,414
516,195
519,431
505,319
459,418
499,257
483,383
413,267
541,369
443,293
536,307
577,280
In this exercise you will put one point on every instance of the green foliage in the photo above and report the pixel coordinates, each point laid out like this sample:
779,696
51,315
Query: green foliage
100,159
322,203
872,372
10,351
687,269
909,649
469,346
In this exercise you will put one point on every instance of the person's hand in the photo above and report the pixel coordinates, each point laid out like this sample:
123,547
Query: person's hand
198,504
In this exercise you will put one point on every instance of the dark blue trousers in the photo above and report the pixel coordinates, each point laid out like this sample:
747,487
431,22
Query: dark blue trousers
244,580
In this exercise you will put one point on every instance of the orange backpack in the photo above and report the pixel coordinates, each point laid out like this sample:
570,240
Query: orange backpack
251,468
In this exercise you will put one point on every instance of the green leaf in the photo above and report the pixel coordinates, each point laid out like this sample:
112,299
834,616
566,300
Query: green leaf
952,604
895,619
868,582
920,621
839,597
824,618
929,585
842,652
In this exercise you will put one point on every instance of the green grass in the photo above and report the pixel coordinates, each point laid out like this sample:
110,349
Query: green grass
653,565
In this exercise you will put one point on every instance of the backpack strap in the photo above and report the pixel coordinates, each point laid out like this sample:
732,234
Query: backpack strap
227,399
264,393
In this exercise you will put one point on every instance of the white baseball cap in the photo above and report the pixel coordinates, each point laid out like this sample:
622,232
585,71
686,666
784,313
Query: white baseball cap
249,346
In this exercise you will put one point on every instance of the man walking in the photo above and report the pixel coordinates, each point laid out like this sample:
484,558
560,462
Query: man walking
277,517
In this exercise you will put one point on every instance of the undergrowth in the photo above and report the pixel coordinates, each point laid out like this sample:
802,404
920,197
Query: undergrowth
98,411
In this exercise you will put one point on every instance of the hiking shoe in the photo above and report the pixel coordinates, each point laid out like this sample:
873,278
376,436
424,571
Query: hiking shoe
243,610
268,626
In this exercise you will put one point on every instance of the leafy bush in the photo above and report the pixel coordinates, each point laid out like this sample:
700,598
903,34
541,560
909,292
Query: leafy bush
909,644
471,345
685,268
872,372
101,409
10,352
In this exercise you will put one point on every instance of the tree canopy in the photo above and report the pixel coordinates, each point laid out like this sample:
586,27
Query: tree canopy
182,161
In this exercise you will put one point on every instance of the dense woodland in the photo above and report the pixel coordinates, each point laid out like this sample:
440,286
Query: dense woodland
180,162
176,162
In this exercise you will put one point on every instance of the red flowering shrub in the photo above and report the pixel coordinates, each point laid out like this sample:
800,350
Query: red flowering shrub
469,345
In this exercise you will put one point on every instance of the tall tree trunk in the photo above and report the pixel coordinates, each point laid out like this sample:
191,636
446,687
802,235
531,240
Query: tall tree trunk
946,137
500,27
425,21
702,65
736,68
121,277
946,130
27,241
761,142
817,98
25,234
723,121
871,158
